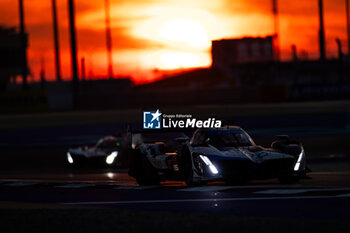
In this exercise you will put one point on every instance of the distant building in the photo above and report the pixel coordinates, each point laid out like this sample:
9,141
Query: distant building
10,55
228,52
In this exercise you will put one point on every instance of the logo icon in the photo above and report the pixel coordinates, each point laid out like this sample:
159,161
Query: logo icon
151,120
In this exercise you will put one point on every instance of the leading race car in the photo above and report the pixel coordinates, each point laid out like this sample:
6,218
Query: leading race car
216,154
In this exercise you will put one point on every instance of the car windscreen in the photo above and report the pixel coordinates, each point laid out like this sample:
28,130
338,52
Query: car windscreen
228,138
107,143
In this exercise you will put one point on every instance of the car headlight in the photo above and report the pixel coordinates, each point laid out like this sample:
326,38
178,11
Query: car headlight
110,158
69,158
300,158
207,162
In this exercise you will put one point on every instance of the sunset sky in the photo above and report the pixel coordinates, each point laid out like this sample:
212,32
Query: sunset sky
168,34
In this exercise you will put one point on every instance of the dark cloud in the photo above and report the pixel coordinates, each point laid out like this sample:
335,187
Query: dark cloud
90,39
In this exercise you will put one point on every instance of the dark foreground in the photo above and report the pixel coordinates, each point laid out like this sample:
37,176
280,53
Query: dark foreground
112,220
320,204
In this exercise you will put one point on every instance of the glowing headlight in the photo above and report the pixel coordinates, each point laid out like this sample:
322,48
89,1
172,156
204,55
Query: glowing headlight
110,158
207,162
297,164
69,158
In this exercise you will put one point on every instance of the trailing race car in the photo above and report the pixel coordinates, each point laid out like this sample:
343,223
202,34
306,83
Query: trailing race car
216,154
109,151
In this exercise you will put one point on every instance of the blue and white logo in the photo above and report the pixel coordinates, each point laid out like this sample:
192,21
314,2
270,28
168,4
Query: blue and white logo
151,120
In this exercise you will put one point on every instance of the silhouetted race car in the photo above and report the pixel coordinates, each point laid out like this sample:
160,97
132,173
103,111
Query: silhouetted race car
216,154
109,151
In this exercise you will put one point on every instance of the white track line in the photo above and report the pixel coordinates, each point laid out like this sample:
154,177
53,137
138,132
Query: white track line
220,188
205,189
20,184
69,186
296,191
202,200
344,195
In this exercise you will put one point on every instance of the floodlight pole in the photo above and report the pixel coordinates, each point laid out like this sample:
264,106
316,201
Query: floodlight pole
276,29
348,24
73,43
24,61
321,32
56,41
109,40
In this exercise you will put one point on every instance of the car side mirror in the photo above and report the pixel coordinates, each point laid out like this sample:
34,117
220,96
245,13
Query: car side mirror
281,139
205,143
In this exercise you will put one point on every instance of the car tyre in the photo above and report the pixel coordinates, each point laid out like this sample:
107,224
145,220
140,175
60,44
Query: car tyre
143,171
188,171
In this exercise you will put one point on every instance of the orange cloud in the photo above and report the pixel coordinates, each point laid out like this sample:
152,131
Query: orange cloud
138,45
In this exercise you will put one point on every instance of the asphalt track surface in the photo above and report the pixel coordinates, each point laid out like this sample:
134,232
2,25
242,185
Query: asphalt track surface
322,193
106,201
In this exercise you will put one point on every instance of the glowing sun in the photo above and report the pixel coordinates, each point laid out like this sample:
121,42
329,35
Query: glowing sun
185,30
183,36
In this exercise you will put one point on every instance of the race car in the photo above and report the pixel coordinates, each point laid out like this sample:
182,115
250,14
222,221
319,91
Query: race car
217,154
109,151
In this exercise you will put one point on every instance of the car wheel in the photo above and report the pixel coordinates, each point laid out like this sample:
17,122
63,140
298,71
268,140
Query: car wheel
189,176
143,171
188,172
